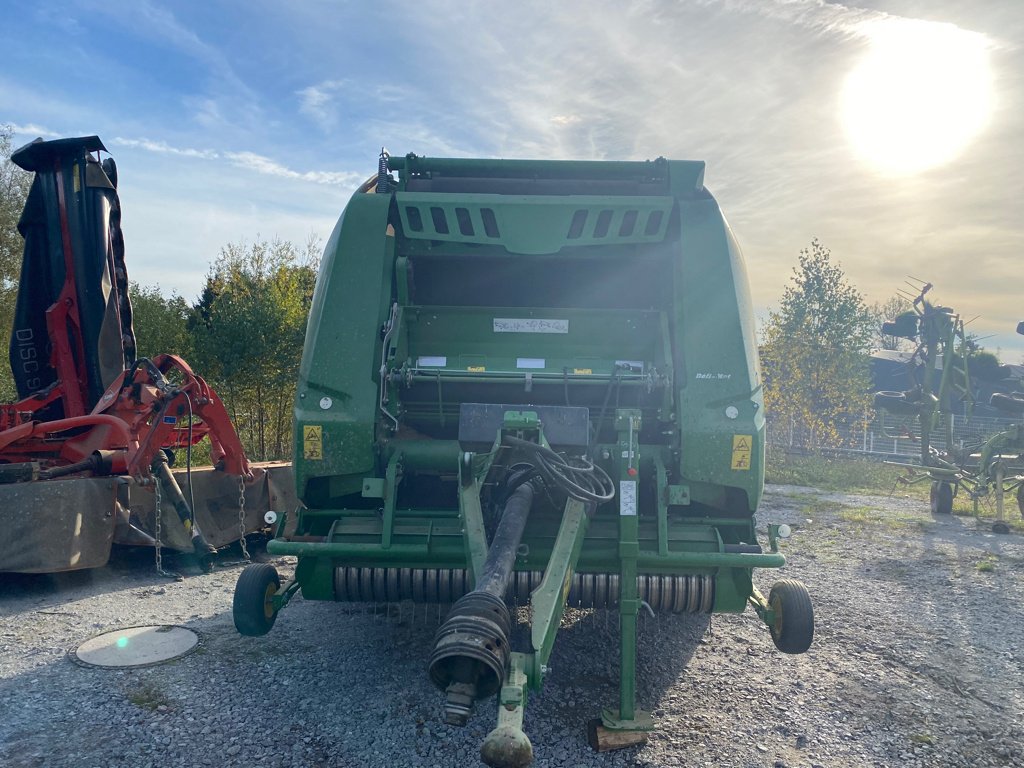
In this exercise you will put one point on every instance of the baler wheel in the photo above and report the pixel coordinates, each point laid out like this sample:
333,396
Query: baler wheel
793,628
941,498
253,606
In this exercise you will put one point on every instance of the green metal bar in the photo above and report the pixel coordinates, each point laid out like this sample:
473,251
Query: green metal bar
648,562
472,521
512,698
511,377
390,494
662,488
548,599
627,423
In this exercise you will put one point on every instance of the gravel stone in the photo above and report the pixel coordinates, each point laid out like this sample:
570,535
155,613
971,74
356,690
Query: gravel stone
918,660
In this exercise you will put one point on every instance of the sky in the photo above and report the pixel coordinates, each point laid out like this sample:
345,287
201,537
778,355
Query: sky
891,131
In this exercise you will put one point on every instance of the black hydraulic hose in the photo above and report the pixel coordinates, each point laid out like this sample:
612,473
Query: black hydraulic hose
585,481
501,556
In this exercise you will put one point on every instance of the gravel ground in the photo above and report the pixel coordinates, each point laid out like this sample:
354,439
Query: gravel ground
918,660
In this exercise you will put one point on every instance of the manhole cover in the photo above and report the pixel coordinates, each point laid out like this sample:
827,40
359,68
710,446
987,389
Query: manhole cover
137,646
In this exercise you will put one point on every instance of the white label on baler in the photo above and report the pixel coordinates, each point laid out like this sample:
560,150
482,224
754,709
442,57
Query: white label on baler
529,325
627,497
431,362
529,362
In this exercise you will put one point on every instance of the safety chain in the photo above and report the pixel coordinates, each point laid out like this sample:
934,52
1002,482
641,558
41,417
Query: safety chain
241,518
159,530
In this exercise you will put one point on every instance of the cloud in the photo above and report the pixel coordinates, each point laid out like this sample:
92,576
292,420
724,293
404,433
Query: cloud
164,148
31,129
320,101
317,102
249,161
265,165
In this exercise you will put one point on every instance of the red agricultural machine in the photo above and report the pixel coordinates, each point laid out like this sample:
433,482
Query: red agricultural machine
85,453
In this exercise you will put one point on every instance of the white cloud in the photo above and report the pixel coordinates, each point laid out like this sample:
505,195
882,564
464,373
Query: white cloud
264,165
246,160
164,148
31,129
317,102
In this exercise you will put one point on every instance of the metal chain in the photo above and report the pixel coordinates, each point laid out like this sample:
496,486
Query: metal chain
159,530
241,518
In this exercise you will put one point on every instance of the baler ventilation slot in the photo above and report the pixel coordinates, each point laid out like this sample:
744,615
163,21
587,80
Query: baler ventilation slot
439,218
533,224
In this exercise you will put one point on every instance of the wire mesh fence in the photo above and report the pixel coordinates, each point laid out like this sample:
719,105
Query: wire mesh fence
883,435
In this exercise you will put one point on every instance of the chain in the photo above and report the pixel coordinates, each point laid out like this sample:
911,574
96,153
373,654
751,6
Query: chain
241,518
159,530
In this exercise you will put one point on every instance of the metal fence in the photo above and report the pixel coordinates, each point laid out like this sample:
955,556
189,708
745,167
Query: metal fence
883,435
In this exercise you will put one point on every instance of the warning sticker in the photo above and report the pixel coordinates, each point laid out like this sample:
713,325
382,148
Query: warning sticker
312,441
476,368
741,448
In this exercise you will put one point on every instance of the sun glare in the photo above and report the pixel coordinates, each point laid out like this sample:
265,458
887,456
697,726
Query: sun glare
918,98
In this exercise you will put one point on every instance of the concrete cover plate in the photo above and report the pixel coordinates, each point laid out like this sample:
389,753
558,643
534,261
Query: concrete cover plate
137,646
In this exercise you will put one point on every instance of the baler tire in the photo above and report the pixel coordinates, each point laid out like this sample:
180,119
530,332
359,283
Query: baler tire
941,498
793,628
252,607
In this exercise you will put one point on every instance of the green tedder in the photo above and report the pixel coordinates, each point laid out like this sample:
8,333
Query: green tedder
990,467
530,381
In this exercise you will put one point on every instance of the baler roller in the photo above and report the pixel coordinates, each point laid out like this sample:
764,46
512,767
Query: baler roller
664,593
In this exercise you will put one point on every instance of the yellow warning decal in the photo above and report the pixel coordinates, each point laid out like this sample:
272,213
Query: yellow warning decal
477,368
312,441
741,448
582,371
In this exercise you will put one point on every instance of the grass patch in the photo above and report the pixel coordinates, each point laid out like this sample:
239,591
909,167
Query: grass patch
848,475
148,696
986,565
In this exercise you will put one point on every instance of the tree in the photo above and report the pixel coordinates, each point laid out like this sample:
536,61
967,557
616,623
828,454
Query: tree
816,347
248,329
14,186
888,310
160,322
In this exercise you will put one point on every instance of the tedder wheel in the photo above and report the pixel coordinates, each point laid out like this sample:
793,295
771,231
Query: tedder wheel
793,627
253,606
941,498
1020,499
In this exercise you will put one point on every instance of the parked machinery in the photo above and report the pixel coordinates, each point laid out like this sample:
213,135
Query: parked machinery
941,363
536,381
84,453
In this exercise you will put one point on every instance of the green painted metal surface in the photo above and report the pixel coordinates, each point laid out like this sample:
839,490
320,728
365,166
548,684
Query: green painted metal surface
611,286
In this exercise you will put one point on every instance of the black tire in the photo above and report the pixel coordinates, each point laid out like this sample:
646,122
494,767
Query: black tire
1007,403
941,497
793,628
1001,528
898,403
252,608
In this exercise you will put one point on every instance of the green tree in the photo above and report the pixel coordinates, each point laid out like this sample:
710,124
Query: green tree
14,186
161,322
815,351
248,328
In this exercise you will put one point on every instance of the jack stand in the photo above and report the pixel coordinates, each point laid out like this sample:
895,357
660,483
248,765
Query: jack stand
507,746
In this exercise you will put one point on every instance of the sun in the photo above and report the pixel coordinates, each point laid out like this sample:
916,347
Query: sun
919,96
